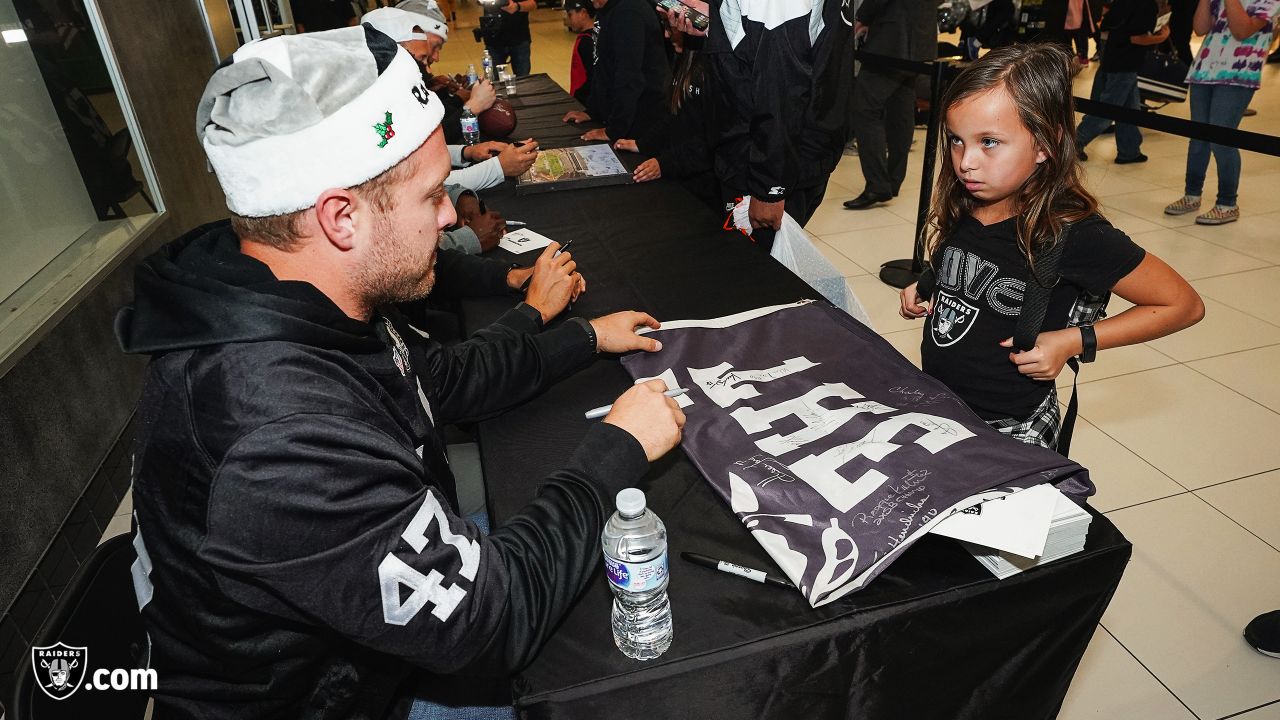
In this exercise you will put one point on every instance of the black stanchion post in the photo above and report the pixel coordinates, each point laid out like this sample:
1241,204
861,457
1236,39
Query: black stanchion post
901,273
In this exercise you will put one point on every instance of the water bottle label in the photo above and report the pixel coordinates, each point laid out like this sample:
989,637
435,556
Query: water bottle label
637,576
470,125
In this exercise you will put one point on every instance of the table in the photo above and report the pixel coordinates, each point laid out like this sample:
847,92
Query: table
540,105
935,636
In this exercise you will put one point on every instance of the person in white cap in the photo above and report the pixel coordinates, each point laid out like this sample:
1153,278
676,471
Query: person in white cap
476,167
420,28
299,554
478,98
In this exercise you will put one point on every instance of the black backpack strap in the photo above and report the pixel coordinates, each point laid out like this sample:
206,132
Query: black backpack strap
927,283
1073,408
1035,300
1035,303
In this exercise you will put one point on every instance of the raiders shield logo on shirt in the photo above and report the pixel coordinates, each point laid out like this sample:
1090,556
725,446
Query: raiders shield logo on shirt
951,319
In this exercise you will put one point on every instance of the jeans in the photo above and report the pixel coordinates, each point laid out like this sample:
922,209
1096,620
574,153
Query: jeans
427,710
1217,105
1080,36
517,55
1116,88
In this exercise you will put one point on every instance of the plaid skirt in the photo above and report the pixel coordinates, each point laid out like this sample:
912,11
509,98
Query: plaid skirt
1041,428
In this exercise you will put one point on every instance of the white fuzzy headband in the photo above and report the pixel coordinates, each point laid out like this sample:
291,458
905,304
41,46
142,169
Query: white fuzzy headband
292,116
429,9
400,25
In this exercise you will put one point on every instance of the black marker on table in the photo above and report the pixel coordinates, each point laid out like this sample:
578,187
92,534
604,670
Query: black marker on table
723,566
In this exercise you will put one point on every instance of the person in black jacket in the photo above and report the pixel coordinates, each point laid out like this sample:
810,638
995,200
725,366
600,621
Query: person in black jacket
991,26
884,97
632,76
299,554
782,75
1182,16
681,147
511,41
1129,25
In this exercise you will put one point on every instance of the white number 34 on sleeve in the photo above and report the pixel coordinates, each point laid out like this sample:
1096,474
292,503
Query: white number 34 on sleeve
394,572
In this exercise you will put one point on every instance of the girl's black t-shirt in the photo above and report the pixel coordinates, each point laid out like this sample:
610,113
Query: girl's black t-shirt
982,275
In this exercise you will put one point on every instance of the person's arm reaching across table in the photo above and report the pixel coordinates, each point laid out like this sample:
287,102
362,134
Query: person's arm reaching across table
779,85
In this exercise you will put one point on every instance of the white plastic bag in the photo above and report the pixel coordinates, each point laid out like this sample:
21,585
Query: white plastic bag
793,248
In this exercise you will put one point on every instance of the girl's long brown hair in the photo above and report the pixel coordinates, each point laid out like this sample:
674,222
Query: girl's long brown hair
688,74
1038,78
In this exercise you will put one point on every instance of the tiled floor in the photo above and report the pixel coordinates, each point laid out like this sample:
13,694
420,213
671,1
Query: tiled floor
122,522
1182,435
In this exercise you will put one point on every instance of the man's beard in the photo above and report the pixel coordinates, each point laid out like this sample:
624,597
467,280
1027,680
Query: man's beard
393,274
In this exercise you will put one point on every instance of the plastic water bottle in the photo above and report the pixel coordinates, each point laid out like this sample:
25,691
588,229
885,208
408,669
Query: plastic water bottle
635,559
472,78
488,67
470,127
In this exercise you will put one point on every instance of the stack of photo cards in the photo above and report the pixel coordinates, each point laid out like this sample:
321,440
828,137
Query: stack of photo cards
1016,531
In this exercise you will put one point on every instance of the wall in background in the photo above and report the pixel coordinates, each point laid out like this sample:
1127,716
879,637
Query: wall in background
42,198
65,404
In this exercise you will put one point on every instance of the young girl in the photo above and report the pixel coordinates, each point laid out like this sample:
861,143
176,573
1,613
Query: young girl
1012,191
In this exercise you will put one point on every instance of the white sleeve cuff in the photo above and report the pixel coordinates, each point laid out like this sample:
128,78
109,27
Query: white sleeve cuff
480,176
455,156
464,239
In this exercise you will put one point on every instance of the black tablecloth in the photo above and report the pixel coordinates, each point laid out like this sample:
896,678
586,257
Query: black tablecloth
935,636
540,105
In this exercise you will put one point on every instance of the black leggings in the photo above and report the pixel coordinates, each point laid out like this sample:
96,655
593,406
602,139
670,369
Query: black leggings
1080,36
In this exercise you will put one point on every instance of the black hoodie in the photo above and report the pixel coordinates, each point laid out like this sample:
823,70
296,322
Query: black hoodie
298,554
784,95
632,78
